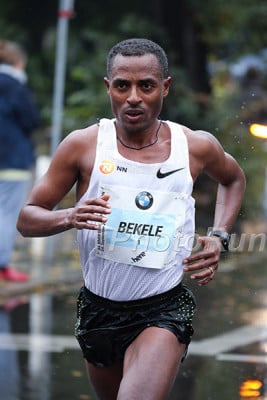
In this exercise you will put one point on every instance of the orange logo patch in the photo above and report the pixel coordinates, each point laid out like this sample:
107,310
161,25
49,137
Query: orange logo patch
106,167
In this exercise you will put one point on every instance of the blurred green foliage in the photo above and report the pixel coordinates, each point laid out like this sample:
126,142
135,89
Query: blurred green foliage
195,34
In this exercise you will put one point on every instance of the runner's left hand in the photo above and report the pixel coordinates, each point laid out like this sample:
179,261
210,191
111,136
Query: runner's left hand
206,260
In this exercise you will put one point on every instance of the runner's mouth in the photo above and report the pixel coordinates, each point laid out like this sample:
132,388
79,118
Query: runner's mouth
133,114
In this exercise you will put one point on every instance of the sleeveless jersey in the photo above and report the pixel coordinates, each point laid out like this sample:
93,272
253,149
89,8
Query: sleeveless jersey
139,252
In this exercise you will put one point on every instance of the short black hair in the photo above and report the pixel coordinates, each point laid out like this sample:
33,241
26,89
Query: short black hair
138,47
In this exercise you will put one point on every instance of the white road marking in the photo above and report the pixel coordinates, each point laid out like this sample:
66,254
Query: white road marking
236,338
248,358
48,343
215,346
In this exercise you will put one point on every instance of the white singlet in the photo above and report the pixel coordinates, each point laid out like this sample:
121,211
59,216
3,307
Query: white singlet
140,250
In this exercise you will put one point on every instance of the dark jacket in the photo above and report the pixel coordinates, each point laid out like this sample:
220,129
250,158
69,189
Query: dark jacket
18,118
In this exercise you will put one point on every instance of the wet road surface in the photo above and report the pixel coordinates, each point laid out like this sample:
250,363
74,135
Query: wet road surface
40,359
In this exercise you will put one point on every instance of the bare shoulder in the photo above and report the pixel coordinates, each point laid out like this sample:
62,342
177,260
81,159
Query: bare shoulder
72,163
75,153
201,142
203,146
206,154
81,137
77,146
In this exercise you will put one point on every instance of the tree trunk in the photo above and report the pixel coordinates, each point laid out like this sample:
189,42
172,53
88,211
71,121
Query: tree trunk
180,21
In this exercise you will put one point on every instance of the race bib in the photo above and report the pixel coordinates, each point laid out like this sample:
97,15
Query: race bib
144,227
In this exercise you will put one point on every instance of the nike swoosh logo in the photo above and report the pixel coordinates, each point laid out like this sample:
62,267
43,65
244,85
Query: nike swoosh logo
161,175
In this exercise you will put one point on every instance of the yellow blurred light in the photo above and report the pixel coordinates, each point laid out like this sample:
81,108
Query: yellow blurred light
258,130
252,384
250,389
249,393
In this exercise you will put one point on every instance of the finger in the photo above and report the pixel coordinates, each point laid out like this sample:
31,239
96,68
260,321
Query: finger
92,225
91,214
89,221
105,196
203,282
199,265
215,266
209,249
98,201
205,254
205,276
211,270
91,209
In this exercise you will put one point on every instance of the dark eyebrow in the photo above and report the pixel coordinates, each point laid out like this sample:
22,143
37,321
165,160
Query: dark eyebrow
141,82
148,80
120,81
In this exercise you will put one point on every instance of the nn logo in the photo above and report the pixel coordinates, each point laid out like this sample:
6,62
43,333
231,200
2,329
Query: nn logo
121,169
106,167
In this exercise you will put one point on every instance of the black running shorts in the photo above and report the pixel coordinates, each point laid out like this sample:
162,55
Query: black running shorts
105,328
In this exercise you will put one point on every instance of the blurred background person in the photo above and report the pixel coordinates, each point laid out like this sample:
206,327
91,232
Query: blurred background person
19,117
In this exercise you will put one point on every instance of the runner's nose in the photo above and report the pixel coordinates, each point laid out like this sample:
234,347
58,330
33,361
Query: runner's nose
134,97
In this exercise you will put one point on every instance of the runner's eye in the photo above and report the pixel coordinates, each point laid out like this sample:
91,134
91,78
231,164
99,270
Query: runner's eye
147,85
121,84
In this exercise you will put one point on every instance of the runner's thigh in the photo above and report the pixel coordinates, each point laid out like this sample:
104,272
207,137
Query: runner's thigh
105,380
150,365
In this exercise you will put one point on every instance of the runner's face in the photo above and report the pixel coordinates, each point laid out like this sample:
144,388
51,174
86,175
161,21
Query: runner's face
136,90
